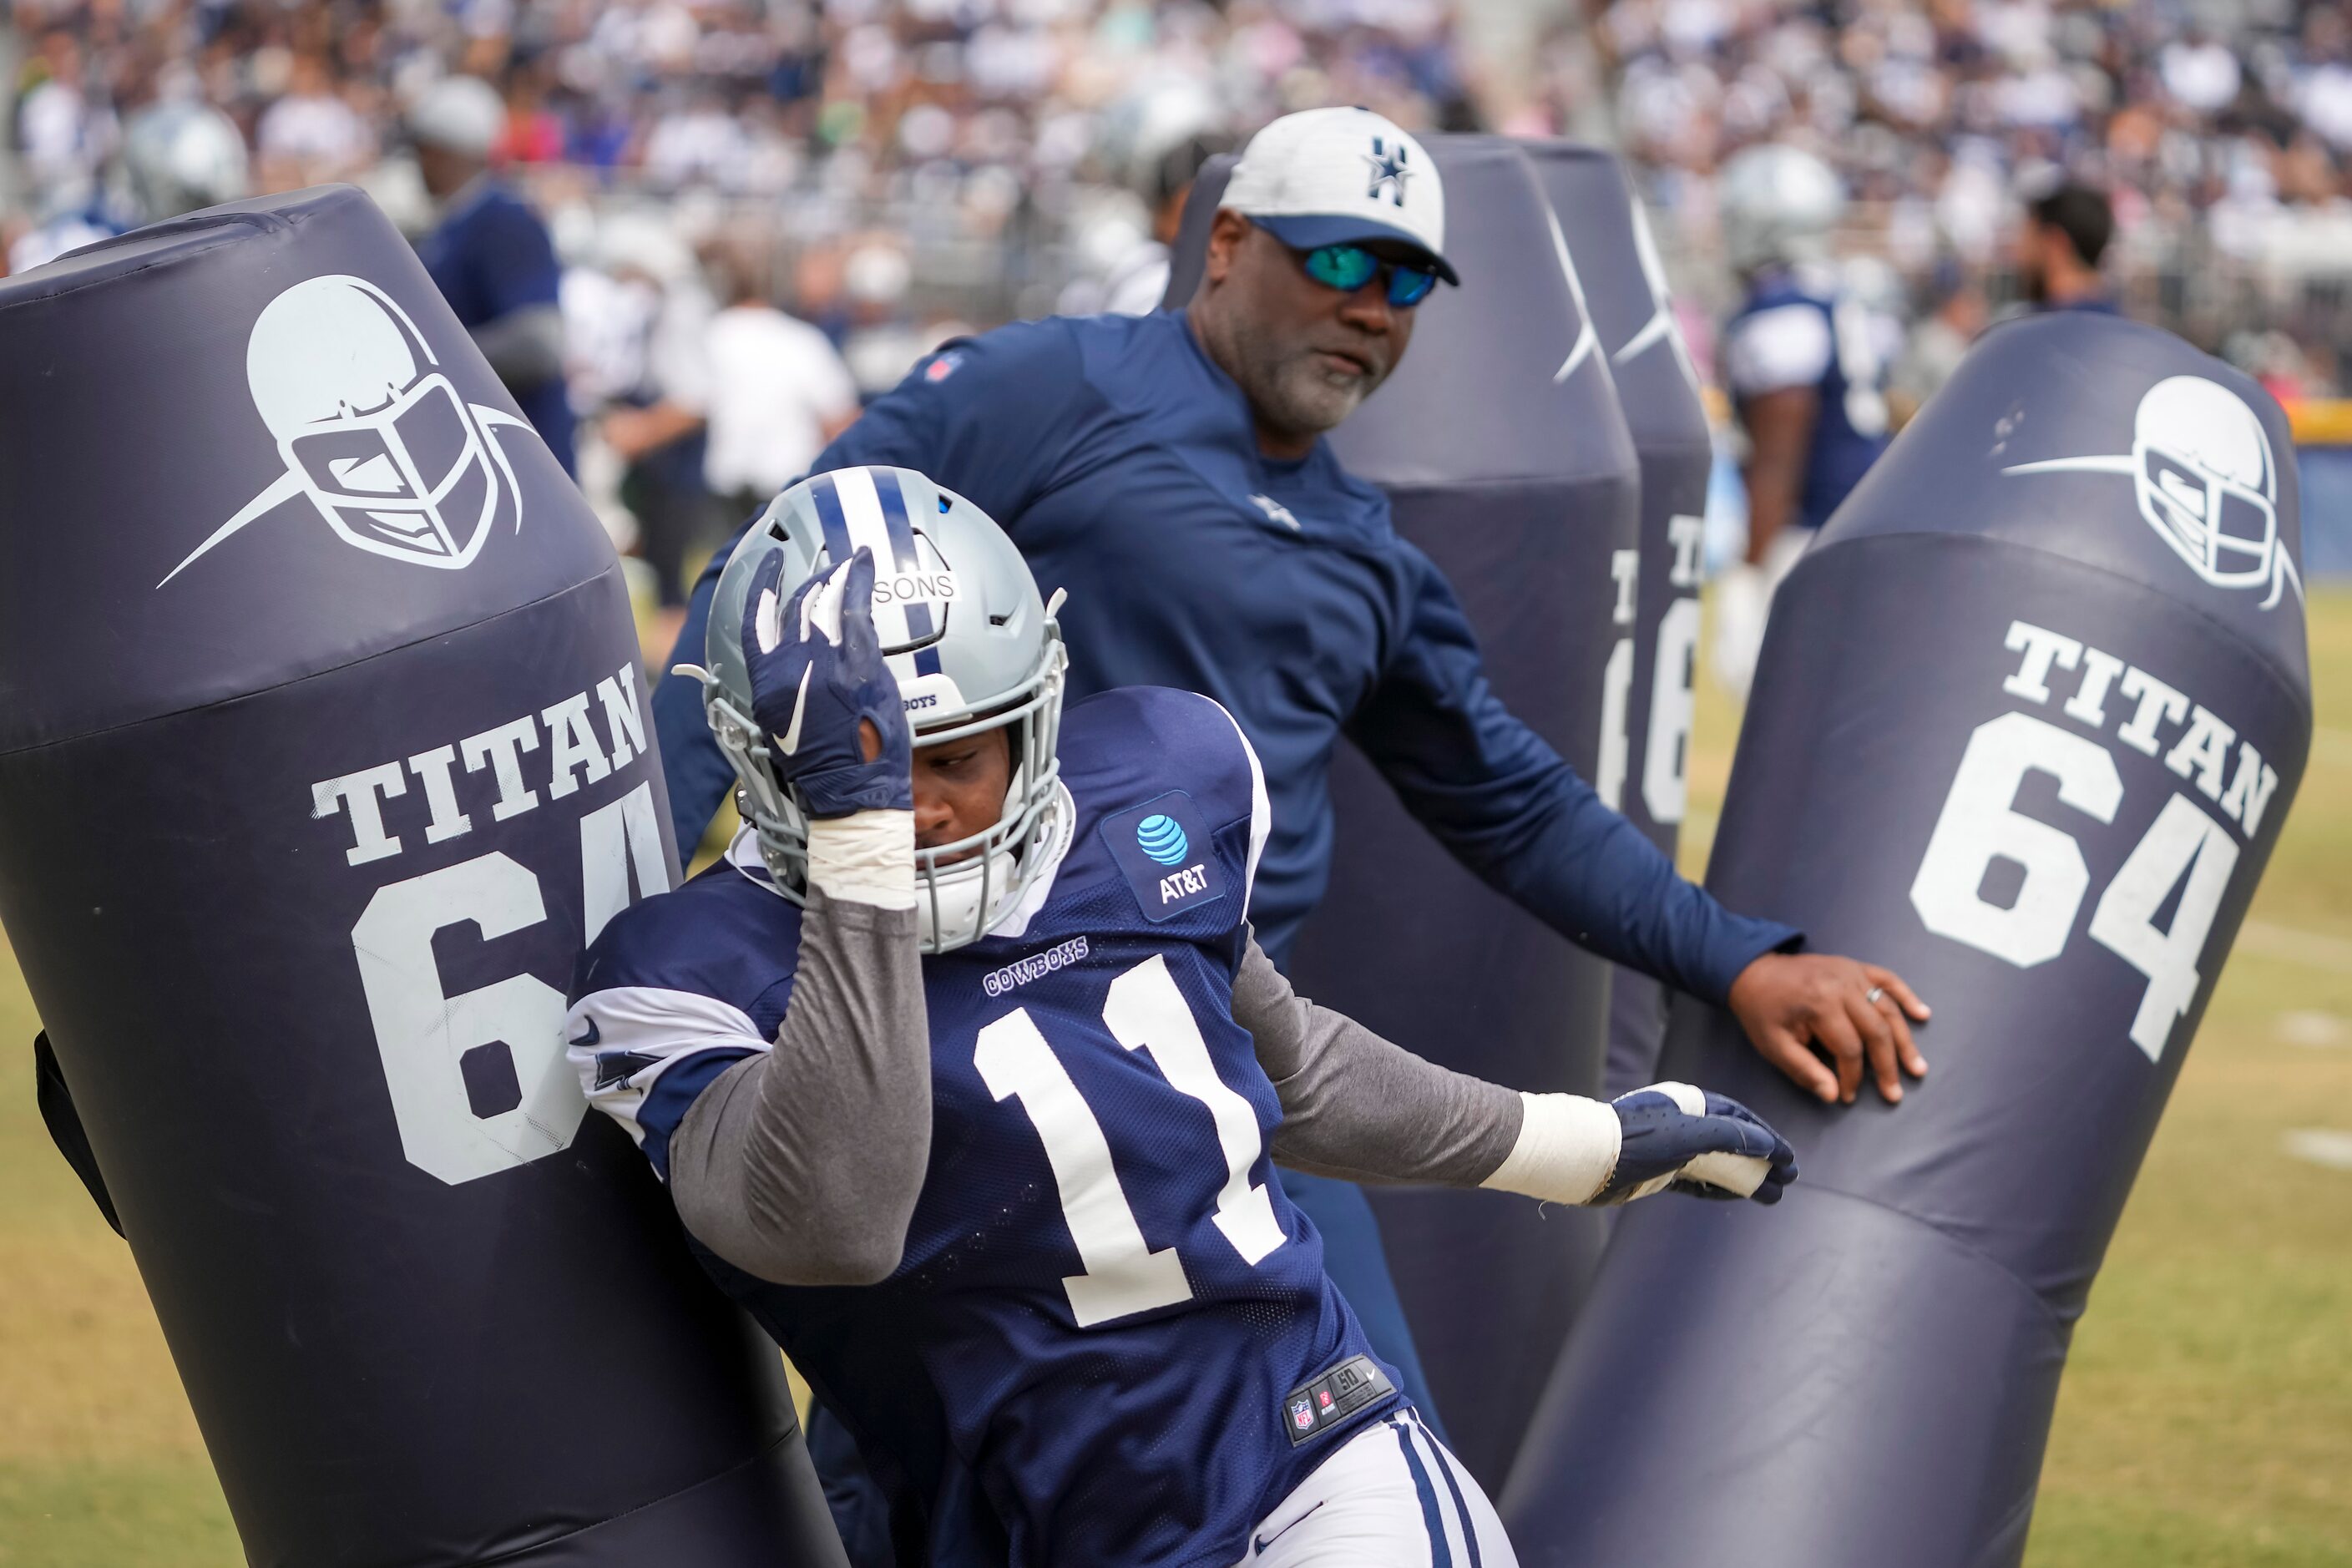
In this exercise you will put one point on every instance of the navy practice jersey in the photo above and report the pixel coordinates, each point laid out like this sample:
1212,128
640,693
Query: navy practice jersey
490,255
1797,328
1105,1302
1123,463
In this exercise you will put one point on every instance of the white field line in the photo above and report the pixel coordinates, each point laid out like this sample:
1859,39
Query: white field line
2319,1146
2293,945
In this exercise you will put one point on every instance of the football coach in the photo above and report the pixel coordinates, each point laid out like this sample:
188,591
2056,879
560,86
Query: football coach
1170,472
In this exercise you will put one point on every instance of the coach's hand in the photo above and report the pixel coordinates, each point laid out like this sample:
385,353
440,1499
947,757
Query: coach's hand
1858,1015
822,694
1671,1135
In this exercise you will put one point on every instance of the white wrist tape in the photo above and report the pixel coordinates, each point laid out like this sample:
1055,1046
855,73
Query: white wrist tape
866,858
1566,1149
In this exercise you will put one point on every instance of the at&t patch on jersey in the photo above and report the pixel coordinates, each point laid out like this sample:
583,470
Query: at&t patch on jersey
1163,849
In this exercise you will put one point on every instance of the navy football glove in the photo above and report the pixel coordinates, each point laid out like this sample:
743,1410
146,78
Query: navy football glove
1672,1135
817,670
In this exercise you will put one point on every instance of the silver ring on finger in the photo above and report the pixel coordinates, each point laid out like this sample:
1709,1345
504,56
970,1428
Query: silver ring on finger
1875,995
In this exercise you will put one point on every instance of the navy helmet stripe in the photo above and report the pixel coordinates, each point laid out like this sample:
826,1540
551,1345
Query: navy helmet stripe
902,543
1441,1555
927,661
894,518
829,517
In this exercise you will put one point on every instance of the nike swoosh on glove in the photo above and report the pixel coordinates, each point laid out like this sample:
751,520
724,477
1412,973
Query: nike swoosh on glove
817,671
1672,1135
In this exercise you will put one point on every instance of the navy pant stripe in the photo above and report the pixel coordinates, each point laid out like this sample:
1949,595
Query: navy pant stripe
1461,1508
1441,1555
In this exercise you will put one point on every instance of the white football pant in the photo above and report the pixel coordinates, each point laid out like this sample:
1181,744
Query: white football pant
1390,1496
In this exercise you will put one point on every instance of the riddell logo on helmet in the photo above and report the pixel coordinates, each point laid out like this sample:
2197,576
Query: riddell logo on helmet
371,430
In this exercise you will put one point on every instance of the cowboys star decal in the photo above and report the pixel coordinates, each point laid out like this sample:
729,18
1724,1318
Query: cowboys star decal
1389,170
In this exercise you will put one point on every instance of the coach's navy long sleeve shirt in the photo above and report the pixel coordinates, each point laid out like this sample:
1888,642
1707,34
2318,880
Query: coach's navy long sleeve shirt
1125,464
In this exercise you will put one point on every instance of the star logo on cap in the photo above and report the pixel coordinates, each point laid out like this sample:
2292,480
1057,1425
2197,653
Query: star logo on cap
1388,170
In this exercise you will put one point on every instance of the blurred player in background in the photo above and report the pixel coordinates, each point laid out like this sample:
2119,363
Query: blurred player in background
2059,245
74,216
490,254
1804,363
176,157
971,1015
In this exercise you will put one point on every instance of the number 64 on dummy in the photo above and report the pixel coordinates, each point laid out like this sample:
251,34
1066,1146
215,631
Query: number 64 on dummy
2013,884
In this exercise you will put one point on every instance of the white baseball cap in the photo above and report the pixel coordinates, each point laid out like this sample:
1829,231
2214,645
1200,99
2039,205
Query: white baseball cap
1341,177
462,113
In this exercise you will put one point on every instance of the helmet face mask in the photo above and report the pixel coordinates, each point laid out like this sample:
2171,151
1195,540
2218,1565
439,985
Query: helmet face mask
962,887
972,648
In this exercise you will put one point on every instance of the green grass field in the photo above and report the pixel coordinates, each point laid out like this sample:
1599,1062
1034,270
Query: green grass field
2206,1419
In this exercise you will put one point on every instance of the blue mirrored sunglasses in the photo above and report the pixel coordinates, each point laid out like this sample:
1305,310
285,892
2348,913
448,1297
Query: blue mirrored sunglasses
1348,267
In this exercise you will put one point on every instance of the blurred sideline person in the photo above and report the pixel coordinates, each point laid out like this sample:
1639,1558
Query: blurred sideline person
490,254
1136,280
1938,344
1806,371
657,423
923,1061
1140,281
1170,472
779,392
2059,245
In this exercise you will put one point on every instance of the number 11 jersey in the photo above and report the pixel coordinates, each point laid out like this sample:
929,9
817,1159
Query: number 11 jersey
1109,1318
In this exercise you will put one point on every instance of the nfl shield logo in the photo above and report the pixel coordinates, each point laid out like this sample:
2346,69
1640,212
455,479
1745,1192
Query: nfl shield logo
1302,1415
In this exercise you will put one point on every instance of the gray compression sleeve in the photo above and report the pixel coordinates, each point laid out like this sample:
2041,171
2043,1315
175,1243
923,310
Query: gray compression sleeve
1356,1107
801,1165
525,347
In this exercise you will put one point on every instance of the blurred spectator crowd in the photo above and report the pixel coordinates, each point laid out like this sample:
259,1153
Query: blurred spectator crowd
891,170
992,121
2222,128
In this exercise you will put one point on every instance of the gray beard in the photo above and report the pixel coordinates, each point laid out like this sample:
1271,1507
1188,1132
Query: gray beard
1295,395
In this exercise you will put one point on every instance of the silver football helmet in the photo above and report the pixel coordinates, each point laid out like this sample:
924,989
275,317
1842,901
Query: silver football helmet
1777,204
180,157
972,646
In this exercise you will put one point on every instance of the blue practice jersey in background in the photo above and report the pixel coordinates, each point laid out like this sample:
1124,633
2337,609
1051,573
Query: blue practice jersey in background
1123,463
491,256
1106,1303
1797,328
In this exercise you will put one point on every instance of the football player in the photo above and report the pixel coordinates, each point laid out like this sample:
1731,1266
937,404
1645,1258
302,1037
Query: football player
965,1075
1806,369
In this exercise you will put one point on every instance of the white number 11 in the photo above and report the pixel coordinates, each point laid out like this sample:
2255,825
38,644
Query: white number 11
1145,1011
